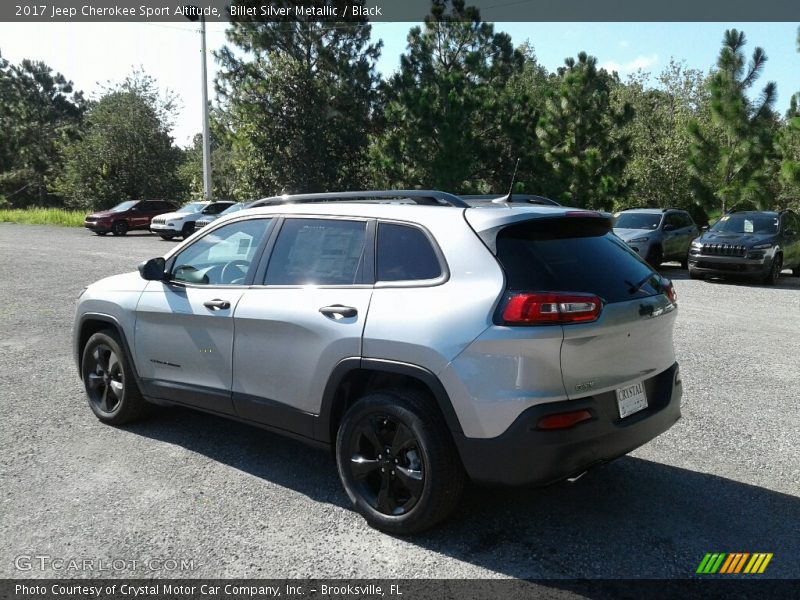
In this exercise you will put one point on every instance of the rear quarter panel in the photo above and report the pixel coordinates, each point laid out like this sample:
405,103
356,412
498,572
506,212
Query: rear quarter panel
429,325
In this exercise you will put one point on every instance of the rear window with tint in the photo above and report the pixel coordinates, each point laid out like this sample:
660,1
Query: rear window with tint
573,255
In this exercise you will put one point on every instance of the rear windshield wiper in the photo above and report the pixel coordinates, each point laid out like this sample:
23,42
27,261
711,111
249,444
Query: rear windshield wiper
635,287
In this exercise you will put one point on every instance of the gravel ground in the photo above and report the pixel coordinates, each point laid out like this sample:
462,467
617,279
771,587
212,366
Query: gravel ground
241,502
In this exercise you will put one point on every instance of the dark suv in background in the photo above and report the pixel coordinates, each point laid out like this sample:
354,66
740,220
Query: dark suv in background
657,234
131,214
754,243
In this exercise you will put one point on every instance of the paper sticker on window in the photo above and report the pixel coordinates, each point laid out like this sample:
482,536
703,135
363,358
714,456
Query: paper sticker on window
748,226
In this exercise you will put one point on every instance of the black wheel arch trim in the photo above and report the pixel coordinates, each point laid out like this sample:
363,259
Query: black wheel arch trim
322,430
115,324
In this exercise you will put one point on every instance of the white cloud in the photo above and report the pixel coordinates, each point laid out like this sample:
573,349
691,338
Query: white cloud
640,62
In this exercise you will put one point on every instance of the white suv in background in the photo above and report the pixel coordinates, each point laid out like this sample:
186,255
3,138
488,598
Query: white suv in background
181,222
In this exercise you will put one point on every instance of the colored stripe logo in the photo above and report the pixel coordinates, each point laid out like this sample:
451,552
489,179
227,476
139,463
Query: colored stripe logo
731,563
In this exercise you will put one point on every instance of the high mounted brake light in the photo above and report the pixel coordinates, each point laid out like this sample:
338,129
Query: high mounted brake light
551,307
583,213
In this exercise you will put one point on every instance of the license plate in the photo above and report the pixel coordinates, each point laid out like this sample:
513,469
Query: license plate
631,399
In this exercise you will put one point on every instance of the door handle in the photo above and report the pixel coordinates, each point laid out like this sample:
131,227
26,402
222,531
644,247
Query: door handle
217,304
338,309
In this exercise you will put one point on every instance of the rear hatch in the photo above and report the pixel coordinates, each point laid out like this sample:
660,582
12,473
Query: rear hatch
566,269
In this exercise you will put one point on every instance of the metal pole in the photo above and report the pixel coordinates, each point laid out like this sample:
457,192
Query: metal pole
206,143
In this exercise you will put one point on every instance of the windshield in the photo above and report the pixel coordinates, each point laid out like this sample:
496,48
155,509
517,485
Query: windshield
192,207
232,209
746,224
123,206
637,221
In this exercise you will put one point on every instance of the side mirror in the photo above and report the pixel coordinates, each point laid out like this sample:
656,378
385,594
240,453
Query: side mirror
669,227
153,269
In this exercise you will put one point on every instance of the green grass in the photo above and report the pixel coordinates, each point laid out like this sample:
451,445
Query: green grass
43,216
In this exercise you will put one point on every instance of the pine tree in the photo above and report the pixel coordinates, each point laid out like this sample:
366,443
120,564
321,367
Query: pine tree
40,112
581,134
299,96
732,166
789,150
447,112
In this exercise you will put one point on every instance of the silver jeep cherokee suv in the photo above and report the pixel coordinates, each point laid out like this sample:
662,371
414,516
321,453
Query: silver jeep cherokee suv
426,340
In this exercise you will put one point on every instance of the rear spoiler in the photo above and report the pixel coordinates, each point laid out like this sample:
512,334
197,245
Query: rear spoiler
572,224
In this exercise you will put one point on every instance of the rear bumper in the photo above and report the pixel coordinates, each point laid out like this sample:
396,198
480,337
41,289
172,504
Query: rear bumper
525,455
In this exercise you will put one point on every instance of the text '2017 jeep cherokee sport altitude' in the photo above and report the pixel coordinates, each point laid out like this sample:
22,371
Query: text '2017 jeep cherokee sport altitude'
426,344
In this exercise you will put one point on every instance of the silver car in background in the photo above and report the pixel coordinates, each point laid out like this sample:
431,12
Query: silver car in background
657,234
206,219
424,340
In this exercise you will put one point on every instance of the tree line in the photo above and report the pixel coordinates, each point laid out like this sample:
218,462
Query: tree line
301,108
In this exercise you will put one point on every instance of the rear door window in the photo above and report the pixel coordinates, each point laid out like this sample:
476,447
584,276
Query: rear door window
405,254
318,252
674,219
573,255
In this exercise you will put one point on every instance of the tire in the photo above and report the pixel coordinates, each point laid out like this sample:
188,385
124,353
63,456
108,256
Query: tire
695,275
775,269
167,236
421,479
796,271
187,230
109,382
685,261
655,256
119,228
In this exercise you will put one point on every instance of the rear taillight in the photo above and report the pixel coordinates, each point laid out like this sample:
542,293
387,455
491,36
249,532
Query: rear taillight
564,420
669,290
550,307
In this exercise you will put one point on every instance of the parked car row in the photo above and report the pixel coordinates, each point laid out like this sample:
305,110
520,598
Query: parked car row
128,215
162,217
760,244
181,223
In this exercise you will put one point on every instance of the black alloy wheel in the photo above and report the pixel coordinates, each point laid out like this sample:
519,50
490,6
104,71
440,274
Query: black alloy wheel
655,256
397,461
109,381
774,270
386,462
105,379
119,228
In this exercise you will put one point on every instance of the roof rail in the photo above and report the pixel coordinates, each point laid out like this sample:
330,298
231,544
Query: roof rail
663,210
425,197
516,198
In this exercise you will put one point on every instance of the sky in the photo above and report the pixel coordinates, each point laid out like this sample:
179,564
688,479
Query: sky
93,54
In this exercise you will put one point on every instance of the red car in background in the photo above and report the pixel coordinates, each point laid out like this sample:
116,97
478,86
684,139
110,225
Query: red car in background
131,214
